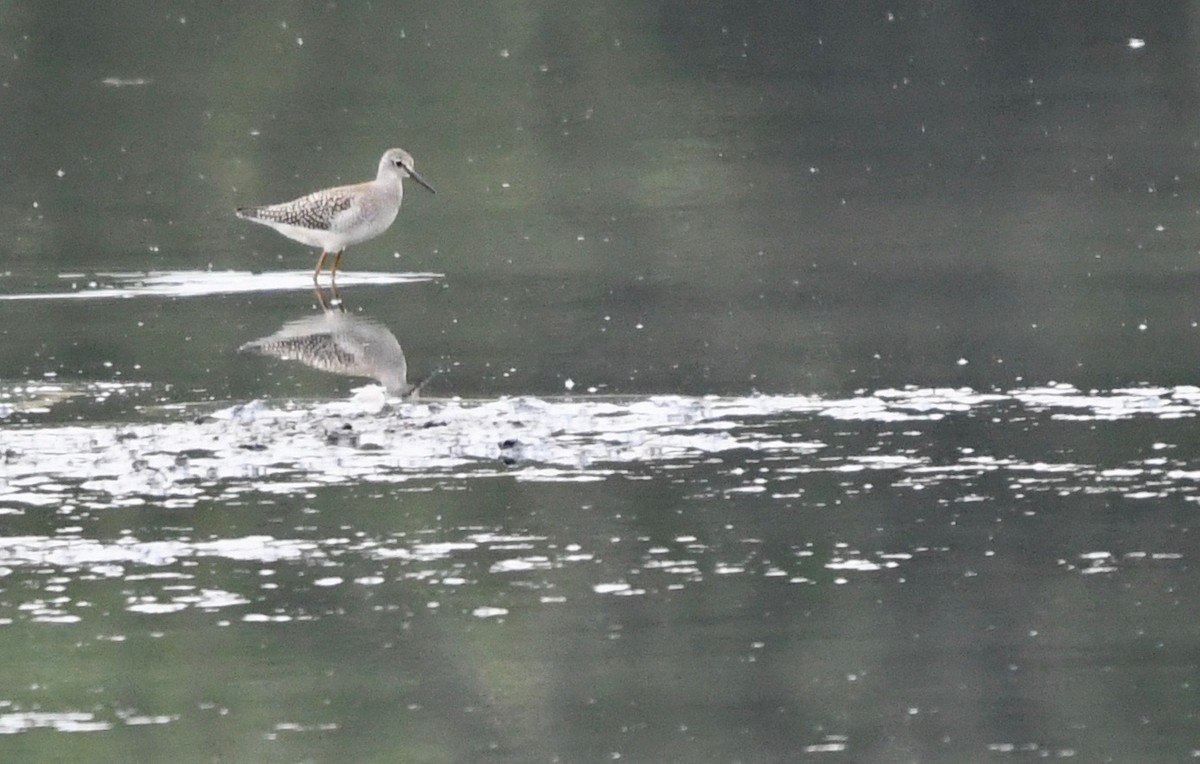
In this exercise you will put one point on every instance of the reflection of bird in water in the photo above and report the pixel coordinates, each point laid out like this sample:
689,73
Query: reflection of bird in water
335,218
341,343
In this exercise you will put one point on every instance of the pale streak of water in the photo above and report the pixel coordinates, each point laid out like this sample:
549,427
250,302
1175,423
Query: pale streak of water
116,285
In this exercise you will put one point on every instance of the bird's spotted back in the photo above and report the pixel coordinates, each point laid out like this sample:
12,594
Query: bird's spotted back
315,211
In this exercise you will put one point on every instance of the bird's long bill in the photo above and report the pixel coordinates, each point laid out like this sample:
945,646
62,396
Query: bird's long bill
420,180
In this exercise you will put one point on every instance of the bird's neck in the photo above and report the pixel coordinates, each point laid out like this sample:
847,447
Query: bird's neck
389,183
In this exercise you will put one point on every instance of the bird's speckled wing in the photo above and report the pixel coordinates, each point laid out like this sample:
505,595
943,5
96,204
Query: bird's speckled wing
317,211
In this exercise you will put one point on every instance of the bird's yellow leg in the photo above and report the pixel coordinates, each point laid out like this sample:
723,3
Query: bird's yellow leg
320,265
337,259
320,293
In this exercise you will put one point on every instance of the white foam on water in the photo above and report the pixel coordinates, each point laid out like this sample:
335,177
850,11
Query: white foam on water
62,721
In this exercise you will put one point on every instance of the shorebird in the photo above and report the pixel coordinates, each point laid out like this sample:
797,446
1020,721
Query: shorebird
335,218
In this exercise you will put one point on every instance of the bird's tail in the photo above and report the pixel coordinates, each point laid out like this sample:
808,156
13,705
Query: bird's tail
248,213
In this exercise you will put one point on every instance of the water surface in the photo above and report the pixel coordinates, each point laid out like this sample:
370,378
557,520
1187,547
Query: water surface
801,383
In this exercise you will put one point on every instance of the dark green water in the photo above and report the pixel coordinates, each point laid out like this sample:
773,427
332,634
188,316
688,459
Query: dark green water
814,382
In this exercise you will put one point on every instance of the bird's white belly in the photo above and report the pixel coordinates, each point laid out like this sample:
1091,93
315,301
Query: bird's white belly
327,240
353,229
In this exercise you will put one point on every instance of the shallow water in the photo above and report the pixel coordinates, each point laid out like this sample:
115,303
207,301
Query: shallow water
794,383
709,577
